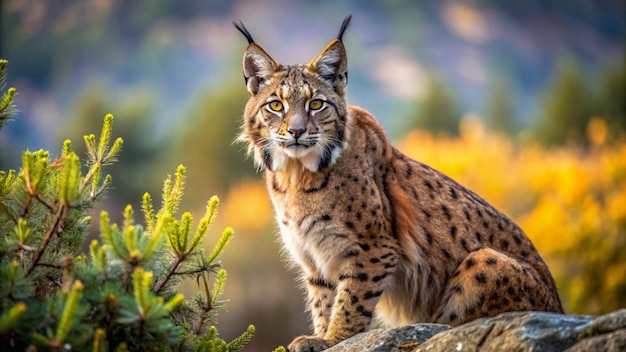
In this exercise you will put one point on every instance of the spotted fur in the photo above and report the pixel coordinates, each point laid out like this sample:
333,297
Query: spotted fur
373,232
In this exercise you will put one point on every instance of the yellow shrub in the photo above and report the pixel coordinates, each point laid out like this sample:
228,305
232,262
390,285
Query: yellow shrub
570,201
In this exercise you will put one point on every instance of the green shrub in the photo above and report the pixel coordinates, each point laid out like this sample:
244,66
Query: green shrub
121,296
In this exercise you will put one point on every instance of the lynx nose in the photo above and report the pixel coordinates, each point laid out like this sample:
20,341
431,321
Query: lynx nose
296,132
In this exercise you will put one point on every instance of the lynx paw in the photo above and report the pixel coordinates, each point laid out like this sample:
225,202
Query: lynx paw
308,344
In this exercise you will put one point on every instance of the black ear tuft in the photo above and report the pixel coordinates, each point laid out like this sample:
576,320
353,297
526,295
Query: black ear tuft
244,31
344,26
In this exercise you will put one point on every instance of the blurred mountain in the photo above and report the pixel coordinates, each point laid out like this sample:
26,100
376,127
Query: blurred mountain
58,48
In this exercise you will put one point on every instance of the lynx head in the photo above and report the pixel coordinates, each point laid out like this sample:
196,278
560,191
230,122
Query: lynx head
296,116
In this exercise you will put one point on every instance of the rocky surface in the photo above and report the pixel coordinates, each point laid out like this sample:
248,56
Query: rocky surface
526,331
386,340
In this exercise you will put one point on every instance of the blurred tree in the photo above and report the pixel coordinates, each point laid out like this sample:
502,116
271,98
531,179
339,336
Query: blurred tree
611,100
500,108
438,110
140,169
566,109
206,140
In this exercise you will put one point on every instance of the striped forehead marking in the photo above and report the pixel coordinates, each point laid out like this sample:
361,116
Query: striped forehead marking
294,88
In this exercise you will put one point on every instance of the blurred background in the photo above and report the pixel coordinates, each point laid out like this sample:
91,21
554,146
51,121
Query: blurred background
521,101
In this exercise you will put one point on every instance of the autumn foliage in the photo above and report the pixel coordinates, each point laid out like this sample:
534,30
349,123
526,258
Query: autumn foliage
570,201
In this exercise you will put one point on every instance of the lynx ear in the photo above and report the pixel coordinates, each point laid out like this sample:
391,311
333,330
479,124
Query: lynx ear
332,63
257,64
257,67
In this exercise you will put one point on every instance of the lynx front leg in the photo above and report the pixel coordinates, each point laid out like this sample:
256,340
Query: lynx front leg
357,296
321,294
355,299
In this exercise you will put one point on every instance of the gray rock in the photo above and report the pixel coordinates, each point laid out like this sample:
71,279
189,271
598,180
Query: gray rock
535,331
519,331
389,340
610,342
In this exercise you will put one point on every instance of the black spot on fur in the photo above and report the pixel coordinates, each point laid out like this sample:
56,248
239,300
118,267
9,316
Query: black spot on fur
380,277
409,171
275,186
352,253
446,212
464,244
372,294
480,278
364,312
429,237
453,231
491,261
321,283
323,185
457,289
467,214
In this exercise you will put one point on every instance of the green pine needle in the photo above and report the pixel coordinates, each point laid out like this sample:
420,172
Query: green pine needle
70,179
11,316
99,341
105,136
148,211
141,288
218,286
69,311
221,244
242,340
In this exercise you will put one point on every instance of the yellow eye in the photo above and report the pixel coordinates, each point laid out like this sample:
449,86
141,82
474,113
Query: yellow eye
316,104
276,105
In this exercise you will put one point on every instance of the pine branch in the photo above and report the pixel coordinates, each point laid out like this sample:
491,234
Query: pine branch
56,223
238,343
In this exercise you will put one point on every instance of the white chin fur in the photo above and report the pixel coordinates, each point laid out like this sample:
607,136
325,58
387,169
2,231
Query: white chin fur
284,159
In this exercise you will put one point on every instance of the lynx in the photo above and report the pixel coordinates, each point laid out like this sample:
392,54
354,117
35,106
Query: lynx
374,233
